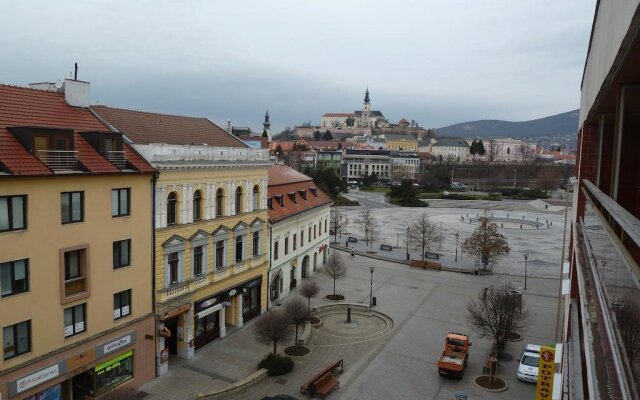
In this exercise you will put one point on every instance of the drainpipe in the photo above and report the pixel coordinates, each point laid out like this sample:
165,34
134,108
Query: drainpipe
154,181
269,269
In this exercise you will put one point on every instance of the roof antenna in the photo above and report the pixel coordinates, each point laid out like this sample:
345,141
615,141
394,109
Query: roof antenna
75,74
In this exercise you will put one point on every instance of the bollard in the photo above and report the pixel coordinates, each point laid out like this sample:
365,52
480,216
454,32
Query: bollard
374,301
520,226
348,315
501,226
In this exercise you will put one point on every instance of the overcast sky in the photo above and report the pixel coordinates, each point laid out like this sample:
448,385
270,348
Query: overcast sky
438,62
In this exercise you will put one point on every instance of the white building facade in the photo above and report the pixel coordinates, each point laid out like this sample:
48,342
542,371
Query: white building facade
450,149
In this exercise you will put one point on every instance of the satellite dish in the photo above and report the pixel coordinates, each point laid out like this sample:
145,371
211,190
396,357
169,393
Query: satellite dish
58,84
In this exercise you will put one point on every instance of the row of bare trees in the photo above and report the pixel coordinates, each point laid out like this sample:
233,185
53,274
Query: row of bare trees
366,221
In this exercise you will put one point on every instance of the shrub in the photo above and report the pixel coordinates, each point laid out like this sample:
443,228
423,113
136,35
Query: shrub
276,365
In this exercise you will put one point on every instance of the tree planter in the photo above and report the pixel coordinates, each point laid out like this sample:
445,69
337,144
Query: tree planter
297,352
490,384
334,297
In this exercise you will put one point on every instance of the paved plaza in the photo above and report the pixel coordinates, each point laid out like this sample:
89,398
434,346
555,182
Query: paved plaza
394,356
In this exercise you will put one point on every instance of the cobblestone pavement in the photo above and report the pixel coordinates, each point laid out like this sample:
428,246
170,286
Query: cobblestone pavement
400,364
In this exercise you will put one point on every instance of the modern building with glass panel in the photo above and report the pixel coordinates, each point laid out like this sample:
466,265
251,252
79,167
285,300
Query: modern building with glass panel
600,292
211,248
75,249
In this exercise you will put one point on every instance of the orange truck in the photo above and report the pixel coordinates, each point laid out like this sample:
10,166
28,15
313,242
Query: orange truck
454,357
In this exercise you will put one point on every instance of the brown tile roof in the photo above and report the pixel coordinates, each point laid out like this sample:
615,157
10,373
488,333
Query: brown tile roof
26,107
284,180
146,127
338,115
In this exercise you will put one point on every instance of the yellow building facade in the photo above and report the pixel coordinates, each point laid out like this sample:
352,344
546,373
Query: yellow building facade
401,142
75,254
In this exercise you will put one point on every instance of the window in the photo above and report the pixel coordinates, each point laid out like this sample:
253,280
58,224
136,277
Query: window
121,253
275,250
315,230
72,269
72,207
256,198
122,304
198,260
325,226
295,244
238,200
174,267
172,205
14,277
301,238
16,339
286,246
13,213
120,201
256,243
309,234
74,320
197,205
219,202
239,248
220,254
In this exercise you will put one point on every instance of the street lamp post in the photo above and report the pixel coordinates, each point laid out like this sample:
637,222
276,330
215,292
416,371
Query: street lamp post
457,236
371,269
526,256
407,243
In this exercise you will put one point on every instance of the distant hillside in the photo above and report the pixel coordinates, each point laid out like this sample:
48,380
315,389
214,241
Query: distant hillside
555,125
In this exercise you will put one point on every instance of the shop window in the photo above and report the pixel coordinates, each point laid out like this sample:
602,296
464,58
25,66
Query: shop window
112,373
14,277
120,202
72,207
122,304
74,320
250,300
121,253
16,339
13,213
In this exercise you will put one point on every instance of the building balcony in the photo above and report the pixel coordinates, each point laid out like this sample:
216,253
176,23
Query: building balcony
177,289
117,158
607,277
239,266
75,286
59,160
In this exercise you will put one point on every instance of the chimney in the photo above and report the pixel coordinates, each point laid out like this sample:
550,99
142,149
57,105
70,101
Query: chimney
229,127
76,93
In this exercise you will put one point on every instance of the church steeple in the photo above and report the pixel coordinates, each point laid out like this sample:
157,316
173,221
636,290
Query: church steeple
266,124
366,96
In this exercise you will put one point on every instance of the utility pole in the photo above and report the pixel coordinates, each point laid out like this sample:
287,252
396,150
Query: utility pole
514,178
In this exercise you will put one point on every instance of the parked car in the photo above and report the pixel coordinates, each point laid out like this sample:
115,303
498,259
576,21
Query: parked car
528,365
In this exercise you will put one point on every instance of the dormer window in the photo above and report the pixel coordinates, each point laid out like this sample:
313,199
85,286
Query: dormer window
109,144
54,147
280,199
270,203
292,195
303,194
314,191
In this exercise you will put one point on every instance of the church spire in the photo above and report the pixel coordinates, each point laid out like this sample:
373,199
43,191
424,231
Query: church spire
366,95
266,123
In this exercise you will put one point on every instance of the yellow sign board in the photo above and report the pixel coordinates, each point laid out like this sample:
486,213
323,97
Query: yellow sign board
546,371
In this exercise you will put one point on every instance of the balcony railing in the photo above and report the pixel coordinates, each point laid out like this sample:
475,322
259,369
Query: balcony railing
239,267
220,272
59,160
177,288
74,286
117,158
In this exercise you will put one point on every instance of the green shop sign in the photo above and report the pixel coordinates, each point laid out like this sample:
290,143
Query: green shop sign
113,363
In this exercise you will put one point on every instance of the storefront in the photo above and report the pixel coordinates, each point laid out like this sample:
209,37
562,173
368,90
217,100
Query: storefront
89,370
232,306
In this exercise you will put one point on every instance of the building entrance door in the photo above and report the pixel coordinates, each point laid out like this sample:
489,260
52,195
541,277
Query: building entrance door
79,386
172,341
207,329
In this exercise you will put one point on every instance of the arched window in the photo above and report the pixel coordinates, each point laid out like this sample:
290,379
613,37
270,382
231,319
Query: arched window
256,197
172,206
508,150
238,200
197,205
219,202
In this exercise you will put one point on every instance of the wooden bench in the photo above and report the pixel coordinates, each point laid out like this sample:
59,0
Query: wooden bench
313,385
425,265
386,247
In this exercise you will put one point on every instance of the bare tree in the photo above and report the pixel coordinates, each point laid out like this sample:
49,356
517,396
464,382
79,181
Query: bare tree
492,150
297,313
273,327
526,152
549,178
309,289
369,225
628,318
494,312
424,235
337,222
486,242
335,268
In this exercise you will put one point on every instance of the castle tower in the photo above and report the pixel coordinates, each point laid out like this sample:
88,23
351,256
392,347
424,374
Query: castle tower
366,111
266,126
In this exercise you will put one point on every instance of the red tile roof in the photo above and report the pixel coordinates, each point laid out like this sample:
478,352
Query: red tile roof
26,107
146,127
284,180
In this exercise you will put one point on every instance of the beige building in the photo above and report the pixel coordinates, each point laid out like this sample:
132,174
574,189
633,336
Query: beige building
76,307
211,239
